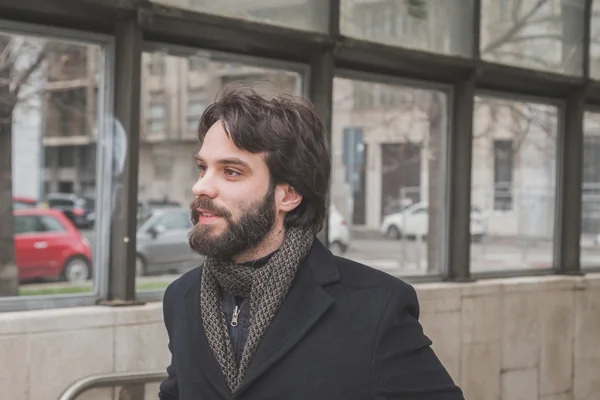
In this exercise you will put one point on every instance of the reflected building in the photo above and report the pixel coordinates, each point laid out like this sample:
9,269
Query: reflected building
70,129
175,93
26,122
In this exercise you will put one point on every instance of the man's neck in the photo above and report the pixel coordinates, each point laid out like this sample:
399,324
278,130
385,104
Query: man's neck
271,243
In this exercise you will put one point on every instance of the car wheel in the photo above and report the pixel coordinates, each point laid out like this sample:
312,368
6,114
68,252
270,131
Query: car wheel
140,266
76,270
393,232
337,248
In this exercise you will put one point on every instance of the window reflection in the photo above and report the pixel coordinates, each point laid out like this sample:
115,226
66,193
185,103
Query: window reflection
590,201
545,34
172,103
49,104
595,41
299,14
388,148
513,187
441,26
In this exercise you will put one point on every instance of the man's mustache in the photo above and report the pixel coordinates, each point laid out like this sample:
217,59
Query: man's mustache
208,205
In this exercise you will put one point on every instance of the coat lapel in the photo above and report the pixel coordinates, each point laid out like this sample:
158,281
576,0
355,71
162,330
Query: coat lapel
304,305
199,346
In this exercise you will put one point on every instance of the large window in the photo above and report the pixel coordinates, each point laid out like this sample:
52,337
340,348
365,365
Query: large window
299,14
542,34
165,183
50,91
513,187
590,200
441,26
387,183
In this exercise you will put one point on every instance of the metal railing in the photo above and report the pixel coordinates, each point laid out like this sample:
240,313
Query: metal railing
132,384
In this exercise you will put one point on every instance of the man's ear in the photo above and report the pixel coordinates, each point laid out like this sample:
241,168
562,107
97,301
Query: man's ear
287,197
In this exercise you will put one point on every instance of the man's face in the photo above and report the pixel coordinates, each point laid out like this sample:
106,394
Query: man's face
234,207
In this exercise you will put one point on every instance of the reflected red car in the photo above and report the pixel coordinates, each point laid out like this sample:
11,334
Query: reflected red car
48,246
20,202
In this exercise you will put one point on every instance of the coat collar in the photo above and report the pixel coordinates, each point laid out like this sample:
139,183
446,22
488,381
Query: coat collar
304,306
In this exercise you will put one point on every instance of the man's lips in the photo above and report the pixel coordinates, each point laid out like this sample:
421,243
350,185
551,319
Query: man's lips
207,216
207,213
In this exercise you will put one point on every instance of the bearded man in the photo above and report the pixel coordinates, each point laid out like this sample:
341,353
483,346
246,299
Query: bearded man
272,313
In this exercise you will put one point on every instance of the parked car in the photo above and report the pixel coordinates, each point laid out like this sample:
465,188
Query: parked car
339,232
20,202
413,222
49,246
162,241
80,210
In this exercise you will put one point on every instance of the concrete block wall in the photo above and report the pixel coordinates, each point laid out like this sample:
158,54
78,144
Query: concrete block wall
534,338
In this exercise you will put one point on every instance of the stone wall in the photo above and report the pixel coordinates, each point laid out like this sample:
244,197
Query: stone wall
506,339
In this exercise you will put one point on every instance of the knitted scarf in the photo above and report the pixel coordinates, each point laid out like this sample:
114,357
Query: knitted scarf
265,287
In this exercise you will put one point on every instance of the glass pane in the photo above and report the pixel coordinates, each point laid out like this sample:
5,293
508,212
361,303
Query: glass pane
388,148
544,34
312,15
52,99
590,204
595,41
51,224
168,141
512,193
441,26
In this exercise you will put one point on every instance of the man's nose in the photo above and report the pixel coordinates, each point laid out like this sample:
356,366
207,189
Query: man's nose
205,187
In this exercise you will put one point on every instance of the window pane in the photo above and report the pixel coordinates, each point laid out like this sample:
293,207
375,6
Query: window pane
590,204
55,131
595,41
50,224
545,35
310,15
441,26
25,224
512,193
167,169
388,148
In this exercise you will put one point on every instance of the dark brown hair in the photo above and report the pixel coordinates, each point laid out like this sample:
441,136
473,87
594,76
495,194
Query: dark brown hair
288,130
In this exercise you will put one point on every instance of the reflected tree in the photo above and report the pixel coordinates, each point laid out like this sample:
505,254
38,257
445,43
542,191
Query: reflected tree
19,61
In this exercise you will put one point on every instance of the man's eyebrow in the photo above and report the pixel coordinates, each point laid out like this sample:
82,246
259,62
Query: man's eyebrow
227,161
234,161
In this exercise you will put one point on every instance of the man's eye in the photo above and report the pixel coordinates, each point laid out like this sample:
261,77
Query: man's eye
231,172
201,167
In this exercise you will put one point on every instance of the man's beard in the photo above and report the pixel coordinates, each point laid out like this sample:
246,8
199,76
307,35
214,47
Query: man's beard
251,229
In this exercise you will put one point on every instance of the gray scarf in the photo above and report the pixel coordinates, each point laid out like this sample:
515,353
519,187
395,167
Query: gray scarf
266,289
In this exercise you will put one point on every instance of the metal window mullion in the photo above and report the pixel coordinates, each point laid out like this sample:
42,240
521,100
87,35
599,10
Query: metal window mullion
320,90
476,38
569,185
334,17
458,177
587,29
127,86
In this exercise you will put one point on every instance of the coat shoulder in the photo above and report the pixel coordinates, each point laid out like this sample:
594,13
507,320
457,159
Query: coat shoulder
182,285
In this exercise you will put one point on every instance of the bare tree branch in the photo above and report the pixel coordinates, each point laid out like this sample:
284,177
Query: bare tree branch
24,77
509,34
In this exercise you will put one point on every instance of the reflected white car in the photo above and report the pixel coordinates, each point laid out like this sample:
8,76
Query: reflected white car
339,232
413,222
